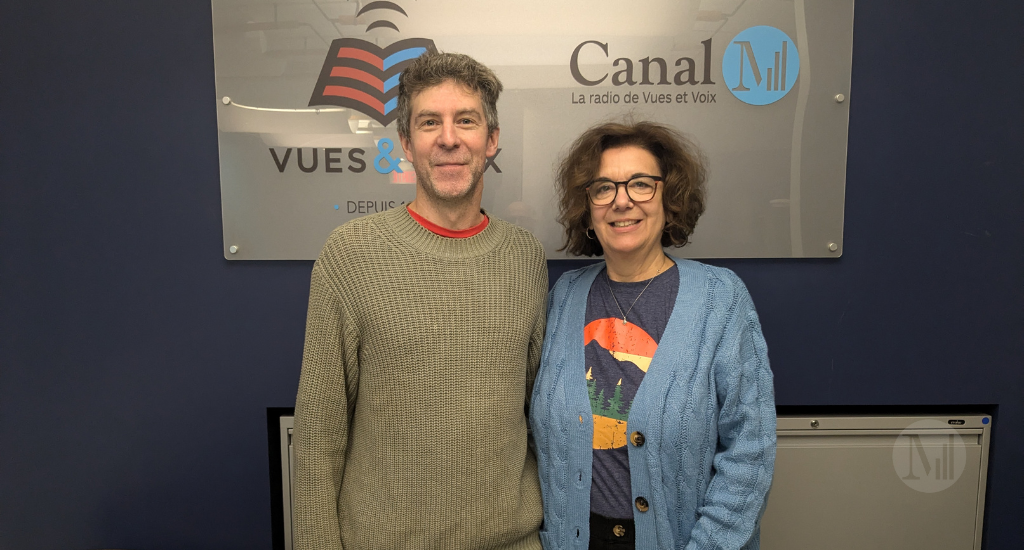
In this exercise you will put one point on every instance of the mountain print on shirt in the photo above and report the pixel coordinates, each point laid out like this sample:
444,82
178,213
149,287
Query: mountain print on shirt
623,355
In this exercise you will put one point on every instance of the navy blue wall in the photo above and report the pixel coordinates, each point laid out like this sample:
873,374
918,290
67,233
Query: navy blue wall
136,364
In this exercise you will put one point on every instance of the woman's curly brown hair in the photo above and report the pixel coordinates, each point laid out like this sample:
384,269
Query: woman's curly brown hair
683,167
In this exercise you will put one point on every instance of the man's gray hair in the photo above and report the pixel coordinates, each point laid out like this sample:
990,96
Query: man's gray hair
435,68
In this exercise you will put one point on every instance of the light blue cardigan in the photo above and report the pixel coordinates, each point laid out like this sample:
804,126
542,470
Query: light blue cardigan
706,408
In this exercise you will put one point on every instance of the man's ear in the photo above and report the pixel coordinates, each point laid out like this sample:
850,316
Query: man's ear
406,147
492,143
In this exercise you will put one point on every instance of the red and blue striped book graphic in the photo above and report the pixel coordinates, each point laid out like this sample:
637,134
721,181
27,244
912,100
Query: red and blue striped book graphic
363,76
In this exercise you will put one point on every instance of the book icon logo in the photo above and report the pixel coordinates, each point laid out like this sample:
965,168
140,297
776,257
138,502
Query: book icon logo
361,75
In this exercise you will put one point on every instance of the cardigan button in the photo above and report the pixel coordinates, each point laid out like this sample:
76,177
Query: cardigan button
637,439
641,504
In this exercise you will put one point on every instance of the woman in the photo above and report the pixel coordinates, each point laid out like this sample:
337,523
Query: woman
653,410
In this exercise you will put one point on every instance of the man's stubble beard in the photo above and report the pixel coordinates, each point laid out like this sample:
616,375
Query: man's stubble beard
426,183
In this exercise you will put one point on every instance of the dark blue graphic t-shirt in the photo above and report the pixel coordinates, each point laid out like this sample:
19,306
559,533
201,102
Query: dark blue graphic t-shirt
617,358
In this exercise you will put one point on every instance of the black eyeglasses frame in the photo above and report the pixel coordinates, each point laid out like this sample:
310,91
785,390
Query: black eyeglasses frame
657,180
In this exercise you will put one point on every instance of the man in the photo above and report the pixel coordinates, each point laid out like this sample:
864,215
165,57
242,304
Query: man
422,342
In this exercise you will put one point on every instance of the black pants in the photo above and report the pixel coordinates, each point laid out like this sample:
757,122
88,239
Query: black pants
611,533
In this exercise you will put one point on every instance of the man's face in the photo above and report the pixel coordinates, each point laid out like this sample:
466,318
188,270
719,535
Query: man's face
448,143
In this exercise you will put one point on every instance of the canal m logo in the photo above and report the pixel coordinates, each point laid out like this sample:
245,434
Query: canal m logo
760,65
929,456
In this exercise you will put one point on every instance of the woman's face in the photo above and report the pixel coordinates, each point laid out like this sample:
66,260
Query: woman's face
625,228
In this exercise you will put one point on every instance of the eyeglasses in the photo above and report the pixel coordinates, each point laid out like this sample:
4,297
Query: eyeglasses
638,189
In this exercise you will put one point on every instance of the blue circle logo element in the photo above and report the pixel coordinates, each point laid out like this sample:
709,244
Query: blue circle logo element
760,65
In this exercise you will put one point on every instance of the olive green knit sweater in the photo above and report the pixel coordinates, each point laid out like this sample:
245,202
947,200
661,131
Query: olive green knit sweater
420,355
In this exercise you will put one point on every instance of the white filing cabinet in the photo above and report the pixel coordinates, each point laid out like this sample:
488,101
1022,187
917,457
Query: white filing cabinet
850,483
287,476
879,482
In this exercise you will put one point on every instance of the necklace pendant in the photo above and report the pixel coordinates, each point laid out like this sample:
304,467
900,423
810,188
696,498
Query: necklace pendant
623,320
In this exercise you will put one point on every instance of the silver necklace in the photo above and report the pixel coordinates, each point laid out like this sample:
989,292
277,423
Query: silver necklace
606,282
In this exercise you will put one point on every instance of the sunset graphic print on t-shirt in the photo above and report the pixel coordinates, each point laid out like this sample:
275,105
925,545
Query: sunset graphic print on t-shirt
618,356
